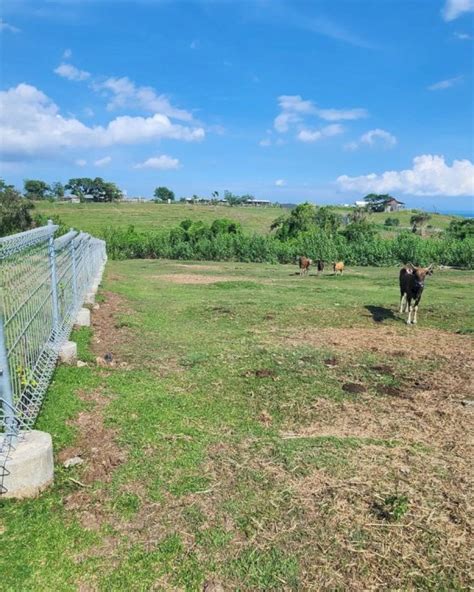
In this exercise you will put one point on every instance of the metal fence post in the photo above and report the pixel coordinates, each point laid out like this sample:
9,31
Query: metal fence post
54,281
6,394
74,273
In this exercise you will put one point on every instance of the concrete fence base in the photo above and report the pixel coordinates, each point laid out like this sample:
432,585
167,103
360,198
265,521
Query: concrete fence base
90,298
68,352
30,468
83,318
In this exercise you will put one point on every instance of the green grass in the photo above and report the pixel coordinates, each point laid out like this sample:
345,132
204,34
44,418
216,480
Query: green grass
95,217
212,489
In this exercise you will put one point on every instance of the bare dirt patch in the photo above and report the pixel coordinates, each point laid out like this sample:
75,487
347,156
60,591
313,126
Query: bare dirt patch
198,266
110,331
96,445
195,278
358,550
353,388
412,342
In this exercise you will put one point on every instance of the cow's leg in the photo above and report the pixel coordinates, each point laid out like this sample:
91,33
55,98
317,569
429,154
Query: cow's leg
402,303
415,319
410,312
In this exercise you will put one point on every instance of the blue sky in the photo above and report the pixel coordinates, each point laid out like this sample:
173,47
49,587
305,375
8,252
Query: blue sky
290,101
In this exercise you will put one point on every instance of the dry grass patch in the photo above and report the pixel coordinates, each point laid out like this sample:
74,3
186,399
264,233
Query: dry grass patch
196,278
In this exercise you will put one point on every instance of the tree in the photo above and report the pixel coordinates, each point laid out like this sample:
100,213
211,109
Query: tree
99,189
163,194
232,199
326,219
57,190
301,219
15,210
419,221
36,189
376,202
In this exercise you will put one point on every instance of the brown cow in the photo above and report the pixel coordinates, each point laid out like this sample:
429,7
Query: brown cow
338,267
412,283
304,264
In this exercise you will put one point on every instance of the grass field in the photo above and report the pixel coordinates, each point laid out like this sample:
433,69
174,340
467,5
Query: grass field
148,216
145,216
256,431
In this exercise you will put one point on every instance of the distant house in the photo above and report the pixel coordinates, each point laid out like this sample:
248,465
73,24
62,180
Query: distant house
258,202
393,205
361,204
71,198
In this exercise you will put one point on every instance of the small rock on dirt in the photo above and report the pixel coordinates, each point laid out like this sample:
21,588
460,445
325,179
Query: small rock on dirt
468,403
73,462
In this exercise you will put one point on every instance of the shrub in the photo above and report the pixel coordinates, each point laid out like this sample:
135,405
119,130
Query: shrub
225,241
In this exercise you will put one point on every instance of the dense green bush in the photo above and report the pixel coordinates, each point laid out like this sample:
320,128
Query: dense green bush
392,222
223,241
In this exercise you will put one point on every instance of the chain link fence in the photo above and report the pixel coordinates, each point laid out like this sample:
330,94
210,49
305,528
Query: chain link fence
43,284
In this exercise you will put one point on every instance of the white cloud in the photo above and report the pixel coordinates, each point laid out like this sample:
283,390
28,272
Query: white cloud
308,135
71,72
31,125
296,104
125,93
103,161
67,54
265,142
162,163
463,36
372,138
294,110
342,114
455,8
284,120
4,26
430,175
80,162
443,84
280,182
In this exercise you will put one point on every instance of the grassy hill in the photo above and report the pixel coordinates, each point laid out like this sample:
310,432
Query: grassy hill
93,217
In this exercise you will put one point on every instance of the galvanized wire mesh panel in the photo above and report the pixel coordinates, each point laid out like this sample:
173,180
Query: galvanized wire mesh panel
43,283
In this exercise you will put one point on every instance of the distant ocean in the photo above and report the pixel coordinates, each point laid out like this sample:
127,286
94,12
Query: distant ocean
465,213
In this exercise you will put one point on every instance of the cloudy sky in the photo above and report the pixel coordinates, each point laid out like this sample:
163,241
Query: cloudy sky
288,100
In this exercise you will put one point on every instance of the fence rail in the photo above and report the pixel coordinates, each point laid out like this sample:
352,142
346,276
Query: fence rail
43,284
